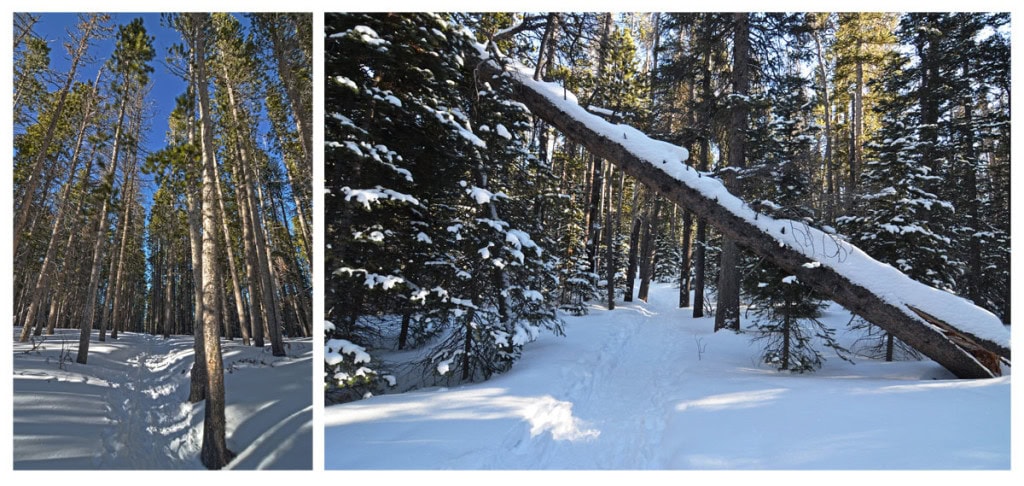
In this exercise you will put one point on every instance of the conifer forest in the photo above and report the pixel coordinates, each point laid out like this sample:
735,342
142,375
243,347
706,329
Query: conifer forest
162,201
488,176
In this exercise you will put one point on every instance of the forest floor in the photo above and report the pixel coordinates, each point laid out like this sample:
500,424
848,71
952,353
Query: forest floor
648,387
128,407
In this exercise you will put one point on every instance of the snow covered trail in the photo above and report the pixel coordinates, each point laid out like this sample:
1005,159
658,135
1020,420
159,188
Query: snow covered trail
646,386
128,408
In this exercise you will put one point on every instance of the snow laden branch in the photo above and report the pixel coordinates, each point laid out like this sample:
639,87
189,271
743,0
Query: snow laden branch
969,341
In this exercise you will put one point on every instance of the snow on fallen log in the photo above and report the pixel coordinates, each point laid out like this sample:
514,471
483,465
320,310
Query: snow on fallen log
966,339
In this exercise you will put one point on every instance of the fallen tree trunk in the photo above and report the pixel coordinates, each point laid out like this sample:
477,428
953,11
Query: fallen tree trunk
969,341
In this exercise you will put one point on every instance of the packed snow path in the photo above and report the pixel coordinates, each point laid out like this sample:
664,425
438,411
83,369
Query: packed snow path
648,387
128,408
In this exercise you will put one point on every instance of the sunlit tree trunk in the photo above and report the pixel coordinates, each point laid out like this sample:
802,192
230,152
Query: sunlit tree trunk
214,454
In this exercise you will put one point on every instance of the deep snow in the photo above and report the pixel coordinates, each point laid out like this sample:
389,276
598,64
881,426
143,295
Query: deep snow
647,387
128,407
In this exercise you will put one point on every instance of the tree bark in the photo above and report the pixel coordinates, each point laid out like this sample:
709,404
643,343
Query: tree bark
727,308
684,265
609,243
214,454
264,271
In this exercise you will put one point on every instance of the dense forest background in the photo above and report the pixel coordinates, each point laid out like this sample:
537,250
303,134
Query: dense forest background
460,223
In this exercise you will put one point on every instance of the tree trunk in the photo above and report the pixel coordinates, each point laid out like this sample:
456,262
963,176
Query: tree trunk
118,275
727,308
634,247
214,454
594,212
101,239
684,265
256,314
609,243
647,250
265,271
243,322
830,203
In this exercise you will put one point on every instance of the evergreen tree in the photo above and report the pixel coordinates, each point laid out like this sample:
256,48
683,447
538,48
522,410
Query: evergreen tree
786,309
455,202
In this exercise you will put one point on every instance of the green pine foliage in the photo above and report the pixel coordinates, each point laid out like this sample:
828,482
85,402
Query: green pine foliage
430,198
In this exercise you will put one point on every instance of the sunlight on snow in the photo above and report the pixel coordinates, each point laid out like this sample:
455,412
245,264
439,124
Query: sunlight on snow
949,384
733,400
544,413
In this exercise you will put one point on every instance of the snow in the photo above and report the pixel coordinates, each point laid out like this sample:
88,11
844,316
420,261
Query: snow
845,259
646,387
363,34
503,132
367,196
480,195
335,348
343,81
128,407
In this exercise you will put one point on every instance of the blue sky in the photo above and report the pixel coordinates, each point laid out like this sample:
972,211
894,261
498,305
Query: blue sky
165,85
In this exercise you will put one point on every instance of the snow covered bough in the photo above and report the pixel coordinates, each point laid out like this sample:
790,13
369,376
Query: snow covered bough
968,341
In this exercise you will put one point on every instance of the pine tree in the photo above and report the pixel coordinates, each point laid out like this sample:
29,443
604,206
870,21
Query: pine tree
786,309
453,202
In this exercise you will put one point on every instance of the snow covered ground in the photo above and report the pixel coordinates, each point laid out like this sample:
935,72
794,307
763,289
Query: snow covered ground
648,387
128,408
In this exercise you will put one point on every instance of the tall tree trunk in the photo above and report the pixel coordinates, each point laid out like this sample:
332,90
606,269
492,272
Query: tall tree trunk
264,271
609,243
727,312
168,304
98,245
214,454
858,125
197,382
243,322
975,278
830,203
594,212
256,314
117,279
684,265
